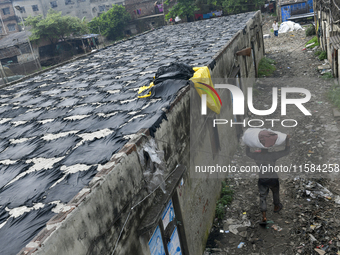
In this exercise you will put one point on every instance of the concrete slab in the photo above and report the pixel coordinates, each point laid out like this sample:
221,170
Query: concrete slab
336,112
324,67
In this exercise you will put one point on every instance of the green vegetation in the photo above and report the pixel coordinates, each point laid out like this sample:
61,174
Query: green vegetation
318,52
310,30
111,23
334,95
183,9
226,198
186,8
238,6
266,67
323,55
55,27
313,40
327,75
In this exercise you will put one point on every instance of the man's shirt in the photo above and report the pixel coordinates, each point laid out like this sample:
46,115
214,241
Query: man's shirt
268,160
275,27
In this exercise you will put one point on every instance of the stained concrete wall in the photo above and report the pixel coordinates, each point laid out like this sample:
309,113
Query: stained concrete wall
101,214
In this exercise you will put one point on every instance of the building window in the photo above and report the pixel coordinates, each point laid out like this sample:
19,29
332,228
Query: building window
68,2
54,4
35,8
119,3
6,11
11,27
101,8
22,9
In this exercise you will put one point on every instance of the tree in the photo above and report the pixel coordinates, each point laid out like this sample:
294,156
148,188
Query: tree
111,23
55,27
238,6
183,9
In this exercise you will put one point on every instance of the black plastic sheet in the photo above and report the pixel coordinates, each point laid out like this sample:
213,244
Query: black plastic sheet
90,95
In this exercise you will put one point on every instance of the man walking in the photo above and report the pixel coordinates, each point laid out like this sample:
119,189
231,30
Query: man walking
275,28
268,179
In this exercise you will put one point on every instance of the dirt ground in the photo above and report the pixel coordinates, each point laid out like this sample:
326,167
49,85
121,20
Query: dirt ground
309,222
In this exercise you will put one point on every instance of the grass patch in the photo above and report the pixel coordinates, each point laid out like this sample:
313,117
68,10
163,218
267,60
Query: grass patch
226,199
323,55
334,95
313,40
317,53
266,67
327,75
272,30
310,30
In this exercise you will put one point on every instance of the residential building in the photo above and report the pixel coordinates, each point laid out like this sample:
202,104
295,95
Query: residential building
79,8
9,23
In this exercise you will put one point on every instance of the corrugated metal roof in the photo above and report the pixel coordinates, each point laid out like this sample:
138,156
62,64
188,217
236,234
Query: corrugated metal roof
14,39
335,41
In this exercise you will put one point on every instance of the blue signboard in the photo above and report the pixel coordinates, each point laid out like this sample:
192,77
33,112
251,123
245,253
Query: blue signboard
287,10
156,243
168,214
174,246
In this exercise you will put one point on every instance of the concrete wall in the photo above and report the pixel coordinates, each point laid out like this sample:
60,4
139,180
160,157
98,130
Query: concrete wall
101,213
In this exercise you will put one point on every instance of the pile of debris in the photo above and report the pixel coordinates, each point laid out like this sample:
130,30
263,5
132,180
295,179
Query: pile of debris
316,223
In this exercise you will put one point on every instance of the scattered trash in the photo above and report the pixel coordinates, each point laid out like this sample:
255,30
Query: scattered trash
321,252
276,227
240,245
233,228
227,231
245,213
326,71
289,26
270,221
310,44
337,200
324,67
221,231
312,238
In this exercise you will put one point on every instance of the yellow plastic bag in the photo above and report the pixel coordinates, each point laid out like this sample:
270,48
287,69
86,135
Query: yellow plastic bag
144,89
204,85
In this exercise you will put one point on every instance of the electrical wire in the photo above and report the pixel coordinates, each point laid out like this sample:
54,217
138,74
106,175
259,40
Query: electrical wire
142,200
